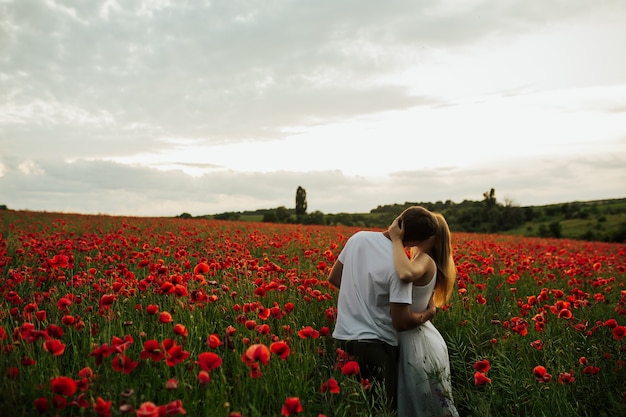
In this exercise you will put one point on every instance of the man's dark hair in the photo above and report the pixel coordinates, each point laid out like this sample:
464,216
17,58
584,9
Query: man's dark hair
418,224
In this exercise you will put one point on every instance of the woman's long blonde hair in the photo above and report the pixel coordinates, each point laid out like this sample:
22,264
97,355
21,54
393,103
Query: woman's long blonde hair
441,253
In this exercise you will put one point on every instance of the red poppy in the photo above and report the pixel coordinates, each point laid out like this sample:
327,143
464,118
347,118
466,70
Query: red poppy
209,361
350,368
201,268
165,317
147,409
566,377
213,341
86,372
482,366
171,384
41,404
591,370
180,330
480,378
330,385
204,377
292,406
173,408
281,349
123,364
257,352
63,385
54,346
619,332
152,309
308,332
102,407
565,313
107,300
175,355
63,303
152,349
541,374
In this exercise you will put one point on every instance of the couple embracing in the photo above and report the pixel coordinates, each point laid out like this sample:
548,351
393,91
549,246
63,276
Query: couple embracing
386,301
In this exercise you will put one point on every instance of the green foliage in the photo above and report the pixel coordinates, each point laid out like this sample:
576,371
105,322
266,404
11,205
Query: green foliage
301,204
602,220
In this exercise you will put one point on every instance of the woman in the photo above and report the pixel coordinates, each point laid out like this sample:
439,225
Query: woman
424,387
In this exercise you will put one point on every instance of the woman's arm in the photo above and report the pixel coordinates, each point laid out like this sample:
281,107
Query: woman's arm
335,274
409,270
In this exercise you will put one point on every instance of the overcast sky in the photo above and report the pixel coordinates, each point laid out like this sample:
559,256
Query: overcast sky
159,107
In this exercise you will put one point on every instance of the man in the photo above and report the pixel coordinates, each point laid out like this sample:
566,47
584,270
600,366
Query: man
373,302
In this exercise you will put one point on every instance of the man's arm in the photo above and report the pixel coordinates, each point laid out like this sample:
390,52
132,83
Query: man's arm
335,274
404,319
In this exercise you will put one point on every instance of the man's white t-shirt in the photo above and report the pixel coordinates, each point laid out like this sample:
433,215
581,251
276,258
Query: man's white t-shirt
369,283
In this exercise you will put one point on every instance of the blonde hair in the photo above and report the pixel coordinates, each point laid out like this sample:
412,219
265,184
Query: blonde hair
441,253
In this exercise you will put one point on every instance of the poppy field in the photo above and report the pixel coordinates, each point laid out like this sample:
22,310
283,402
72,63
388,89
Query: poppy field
122,316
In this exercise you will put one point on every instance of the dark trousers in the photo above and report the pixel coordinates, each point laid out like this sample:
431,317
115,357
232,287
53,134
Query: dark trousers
378,361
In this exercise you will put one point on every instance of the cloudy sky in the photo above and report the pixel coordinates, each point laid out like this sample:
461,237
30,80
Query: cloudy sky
159,107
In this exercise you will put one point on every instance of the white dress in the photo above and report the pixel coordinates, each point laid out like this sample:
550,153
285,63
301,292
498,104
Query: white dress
424,387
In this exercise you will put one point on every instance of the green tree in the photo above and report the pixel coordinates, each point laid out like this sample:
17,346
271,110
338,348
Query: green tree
301,204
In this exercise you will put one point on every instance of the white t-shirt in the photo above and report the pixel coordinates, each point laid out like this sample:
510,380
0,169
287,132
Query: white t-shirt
369,283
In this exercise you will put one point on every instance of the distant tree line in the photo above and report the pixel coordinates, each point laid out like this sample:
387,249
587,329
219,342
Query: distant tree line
484,216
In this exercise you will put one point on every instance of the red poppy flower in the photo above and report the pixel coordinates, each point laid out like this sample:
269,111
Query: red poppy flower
292,406
541,374
173,408
209,361
152,309
480,378
308,332
63,303
54,346
255,370
175,355
619,332
350,368
281,349
171,384
41,404
201,268
180,330
165,317
262,329
257,352
123,364
213,341
102,407
591,370
86,372
148,409
565,313
204,377
63,385
482,366
330,385
107,300
41,315
610,323
152,349
566,377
